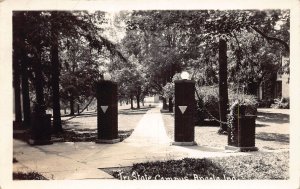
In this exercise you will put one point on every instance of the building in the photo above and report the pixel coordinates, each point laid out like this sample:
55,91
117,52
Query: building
280,86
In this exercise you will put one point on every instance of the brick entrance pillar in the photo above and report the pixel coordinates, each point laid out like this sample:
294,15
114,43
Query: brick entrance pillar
107,108
40,127
185,106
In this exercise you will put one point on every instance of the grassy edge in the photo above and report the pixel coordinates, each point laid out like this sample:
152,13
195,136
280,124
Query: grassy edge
262,166
32,175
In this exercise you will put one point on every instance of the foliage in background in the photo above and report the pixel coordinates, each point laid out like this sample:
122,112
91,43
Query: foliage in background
131,80
41,39
159,43
209,101
169,88
81,68
283,103
167,42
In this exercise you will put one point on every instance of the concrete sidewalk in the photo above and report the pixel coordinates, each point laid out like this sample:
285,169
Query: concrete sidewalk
150,130
83,160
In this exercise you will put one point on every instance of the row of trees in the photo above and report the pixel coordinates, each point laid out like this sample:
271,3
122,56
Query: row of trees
241,47
57,56
61,54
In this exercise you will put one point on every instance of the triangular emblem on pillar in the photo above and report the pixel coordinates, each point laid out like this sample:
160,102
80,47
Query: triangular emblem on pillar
182,109
104,108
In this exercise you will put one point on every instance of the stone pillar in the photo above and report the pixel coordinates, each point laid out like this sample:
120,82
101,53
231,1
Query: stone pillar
241,130
107,116
185,106
40,131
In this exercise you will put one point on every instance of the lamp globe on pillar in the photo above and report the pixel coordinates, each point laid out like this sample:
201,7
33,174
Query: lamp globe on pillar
184,111
106,76
185,75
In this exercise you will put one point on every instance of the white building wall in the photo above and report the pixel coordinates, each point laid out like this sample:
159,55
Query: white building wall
285,80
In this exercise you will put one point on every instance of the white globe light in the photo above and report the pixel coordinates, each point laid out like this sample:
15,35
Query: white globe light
106,76
184,75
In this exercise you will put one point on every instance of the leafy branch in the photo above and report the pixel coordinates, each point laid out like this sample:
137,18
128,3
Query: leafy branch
269,38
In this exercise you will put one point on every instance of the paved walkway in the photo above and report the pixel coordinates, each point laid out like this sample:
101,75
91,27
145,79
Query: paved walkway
150,131
83,160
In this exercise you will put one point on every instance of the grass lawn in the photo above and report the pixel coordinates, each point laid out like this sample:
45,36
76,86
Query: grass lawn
30,175
259,166
127,119
272,131
83,128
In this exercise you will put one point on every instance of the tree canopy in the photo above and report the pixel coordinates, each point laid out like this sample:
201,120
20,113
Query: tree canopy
58,55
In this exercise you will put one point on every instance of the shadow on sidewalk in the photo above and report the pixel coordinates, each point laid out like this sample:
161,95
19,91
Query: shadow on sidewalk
135,111
261,125
202,148
284,138
273,117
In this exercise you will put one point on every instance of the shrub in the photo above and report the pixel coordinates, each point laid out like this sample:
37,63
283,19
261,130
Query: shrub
283,103
249,101
257,166
28,176
208,105
265,103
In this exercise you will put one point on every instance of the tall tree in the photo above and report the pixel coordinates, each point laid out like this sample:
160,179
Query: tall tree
73,24
223,88
27,45
81,68
55,74
20,69
17,41
16,85
201,29
158,47
130,83
25,90
43,34
39,81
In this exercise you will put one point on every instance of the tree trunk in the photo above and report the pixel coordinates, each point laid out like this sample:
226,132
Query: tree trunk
20,61
18,40
55,77
138,101
223,88
78,109
39,85
131,102
17,90
252,88
170,104
165,106
25,93
138,96
71,105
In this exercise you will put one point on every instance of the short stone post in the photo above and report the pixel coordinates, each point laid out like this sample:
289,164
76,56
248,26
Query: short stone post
241,129
185,106
40,127
107,116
